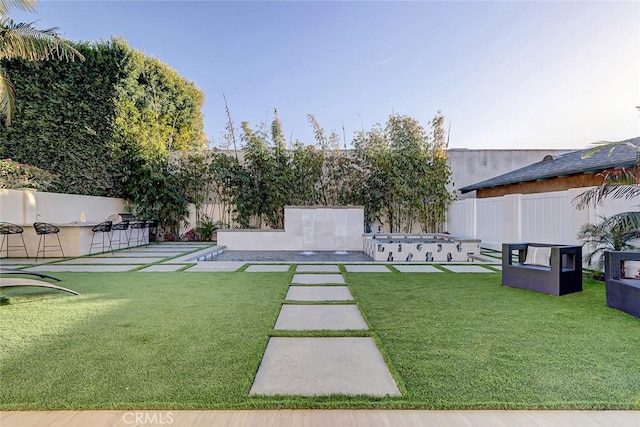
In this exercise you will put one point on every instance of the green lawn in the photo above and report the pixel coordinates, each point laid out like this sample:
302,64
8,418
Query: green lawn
195,340
464,341
138,340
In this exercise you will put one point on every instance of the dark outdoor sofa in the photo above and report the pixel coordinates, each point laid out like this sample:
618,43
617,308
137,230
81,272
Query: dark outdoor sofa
562,276
622,294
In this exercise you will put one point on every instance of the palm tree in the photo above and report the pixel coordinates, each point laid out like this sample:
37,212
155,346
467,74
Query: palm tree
618,184
615,233
24,41
618,232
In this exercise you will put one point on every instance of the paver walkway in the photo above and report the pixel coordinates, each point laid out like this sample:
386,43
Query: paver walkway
312,366
167,257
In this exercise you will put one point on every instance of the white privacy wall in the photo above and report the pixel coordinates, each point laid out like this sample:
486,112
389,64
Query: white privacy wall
305,229
542,218
24,207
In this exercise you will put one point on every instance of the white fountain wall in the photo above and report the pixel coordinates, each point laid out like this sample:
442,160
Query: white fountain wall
305,229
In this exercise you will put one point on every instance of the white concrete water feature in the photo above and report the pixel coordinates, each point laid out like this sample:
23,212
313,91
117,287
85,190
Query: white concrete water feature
420,247
306,229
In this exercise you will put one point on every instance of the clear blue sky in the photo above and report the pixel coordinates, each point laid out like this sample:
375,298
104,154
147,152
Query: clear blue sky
504,74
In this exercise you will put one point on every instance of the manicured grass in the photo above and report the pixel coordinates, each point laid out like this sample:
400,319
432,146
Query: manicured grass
138,340
464,341
195,340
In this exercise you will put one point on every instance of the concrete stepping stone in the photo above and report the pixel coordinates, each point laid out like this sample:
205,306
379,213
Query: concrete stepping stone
84,268
193,256
266,268
96,260
19,261
163,250
319,317
417,269
467,269
161,268
317,279
367,269
319,293
322,366
216,266
136,254
325,268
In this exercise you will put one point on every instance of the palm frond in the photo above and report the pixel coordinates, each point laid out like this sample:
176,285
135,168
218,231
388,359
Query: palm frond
596,195
28,5
601,145
24,41
598,147
624,221
7,96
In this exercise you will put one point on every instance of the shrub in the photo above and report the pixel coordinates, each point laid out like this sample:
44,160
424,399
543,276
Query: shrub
14,175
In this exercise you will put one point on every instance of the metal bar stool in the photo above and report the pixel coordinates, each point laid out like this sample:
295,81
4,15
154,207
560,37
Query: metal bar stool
105,229
120,227
139,227
7,229
43,229
153,227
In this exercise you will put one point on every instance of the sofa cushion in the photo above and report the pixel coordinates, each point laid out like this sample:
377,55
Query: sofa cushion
630,269
537,255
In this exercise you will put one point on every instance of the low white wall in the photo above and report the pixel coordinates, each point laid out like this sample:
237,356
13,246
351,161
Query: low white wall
24,207
305,229
542,218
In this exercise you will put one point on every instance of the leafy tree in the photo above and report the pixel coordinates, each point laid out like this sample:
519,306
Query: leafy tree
15,175
370,172
281,187
259,165
435,196
306,171
226,173
26,42
97,122
332,183
160,195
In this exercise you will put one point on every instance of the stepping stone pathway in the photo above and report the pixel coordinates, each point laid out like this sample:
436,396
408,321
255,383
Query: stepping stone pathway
84,268
126,254
319,317
320,366
467,269
312,366
319,293
367,269
161,268
307,268
114,261
267,268
417,269
216,266
317,279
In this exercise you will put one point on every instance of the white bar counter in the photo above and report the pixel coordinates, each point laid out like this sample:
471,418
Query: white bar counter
75,238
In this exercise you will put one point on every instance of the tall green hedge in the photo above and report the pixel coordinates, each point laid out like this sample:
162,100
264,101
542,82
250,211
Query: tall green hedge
95,123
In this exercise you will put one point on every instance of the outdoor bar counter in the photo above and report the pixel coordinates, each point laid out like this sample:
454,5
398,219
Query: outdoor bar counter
75,238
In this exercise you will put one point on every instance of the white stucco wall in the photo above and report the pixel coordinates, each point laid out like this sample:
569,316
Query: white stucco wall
24,207
305,229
